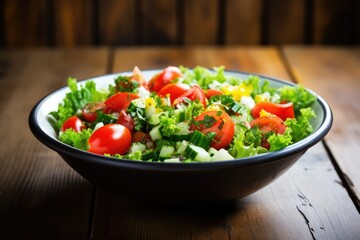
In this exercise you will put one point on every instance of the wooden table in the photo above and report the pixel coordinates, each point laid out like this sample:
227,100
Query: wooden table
41,197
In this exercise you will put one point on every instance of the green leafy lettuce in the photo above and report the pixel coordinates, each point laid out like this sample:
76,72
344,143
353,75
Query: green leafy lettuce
74,100
241,147
76,139
298,95
301,126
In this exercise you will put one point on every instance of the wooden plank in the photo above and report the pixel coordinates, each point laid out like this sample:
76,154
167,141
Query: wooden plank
117,22
334,22
243,20
41,197
290,208
73,22
201,23
286,23
334,74
159,22
24,23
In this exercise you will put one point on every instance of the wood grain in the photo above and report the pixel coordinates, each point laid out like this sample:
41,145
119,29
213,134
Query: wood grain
117,22
176,22
24,23
289,208
286,21
201,25
159,22
334,74
334,22
41,197
73,22
243,22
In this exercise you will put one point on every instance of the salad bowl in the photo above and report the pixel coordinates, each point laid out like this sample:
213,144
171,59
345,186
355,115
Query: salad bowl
172,183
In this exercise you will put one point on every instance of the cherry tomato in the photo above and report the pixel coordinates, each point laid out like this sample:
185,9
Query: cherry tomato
73,122
111,139
174,90
217,122
119,101
194,93
126,120
269,123
283,111
141,137
212,92
89,112
163,78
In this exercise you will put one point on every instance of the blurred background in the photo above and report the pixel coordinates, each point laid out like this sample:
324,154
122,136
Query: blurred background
69,23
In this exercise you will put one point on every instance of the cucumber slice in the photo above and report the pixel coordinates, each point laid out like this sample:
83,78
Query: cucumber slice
179,115
221,154
149,155
166,152
197,153
155,133
137,146
199,139
172,160
212,151
181,146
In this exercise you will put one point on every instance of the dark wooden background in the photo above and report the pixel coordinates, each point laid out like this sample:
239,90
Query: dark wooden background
178,22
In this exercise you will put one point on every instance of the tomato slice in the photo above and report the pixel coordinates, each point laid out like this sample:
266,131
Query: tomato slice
283,111
268,124
163,78
111,139
194,93
212,92
119,101
141,137
73,122
218,122
89,112
126,120
174,90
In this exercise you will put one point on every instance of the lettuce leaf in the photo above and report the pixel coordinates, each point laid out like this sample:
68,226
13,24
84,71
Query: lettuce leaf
298,95
301,126
279,141
76,139
239,149
75,100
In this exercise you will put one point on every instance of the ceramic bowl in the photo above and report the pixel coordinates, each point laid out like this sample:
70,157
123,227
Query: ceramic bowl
177,183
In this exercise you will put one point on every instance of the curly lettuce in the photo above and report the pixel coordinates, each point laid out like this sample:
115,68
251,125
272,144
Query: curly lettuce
74,100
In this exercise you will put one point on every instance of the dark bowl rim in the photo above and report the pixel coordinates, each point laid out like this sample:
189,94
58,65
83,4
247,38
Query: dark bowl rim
80,155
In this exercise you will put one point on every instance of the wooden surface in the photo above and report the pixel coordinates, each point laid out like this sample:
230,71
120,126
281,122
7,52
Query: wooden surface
178,22
43,198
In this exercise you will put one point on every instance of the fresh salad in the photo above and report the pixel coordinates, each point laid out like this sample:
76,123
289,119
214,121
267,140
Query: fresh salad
183,115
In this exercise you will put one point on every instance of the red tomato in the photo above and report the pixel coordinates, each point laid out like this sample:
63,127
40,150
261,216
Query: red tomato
212,92
111,139
174,90
73,122
126,120
119,101
141,137
194,93
283,111
269,123
163,78
217,122
89,112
